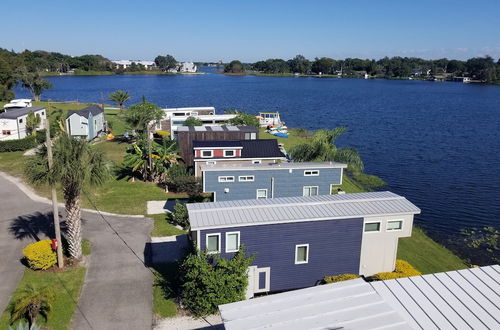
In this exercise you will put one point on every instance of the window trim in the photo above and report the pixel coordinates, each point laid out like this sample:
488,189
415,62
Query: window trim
218,245
257,194
397,229
247,177
238,244
372,231
303,191
311,172
210,162
226,178
234,153
297,246
211,153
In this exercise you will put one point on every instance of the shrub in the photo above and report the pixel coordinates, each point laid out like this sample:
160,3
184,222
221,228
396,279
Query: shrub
339,278
40,255
28,142
193,121
403,269
180,215
187,184
209,281
40,136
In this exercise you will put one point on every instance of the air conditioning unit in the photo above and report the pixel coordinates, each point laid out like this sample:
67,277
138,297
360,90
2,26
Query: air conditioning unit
226,190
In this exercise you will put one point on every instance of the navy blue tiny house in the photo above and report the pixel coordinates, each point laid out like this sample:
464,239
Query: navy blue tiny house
260,181
297,241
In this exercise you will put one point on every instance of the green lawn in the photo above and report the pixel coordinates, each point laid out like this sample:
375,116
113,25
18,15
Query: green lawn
162,227
426,255
164,290
116,122
66,286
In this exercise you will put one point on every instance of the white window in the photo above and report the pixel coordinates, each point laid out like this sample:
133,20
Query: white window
311,172
213,243
372,226
211,162
207,153
394,225
229,153
261,193
233,241
256,161
310,191
250,136
301,254
226,178
246,178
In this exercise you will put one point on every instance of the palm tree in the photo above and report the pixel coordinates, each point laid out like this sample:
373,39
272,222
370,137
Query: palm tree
321,147
119,97
31,302
32,122
75,164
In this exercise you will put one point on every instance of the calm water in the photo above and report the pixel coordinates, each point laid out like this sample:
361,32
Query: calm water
435,143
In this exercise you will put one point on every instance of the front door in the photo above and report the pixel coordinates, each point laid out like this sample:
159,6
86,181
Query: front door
262,280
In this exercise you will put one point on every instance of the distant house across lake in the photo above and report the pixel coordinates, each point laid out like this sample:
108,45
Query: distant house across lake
13,122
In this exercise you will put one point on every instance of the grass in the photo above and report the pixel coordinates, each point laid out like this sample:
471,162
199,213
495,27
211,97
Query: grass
12,162
116,122
162,227
66,286
426,255
114,150
164,282
86,247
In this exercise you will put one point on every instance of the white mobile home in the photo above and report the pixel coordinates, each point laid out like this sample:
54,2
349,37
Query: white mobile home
13,122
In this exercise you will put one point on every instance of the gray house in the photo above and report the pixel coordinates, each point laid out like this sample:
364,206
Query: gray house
230,182
86,123
299,240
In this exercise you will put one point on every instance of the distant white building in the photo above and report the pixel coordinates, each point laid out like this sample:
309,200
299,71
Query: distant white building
186,67
18,103
124,64
13,122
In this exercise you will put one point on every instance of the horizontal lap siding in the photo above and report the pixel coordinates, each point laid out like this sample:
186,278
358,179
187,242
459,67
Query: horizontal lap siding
334,248
286,184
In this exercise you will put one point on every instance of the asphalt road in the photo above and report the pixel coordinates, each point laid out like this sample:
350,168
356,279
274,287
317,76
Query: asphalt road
117,290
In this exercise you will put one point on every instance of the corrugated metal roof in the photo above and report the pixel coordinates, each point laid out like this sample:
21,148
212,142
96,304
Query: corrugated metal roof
272,166
14,113
464,299
290,209
345,305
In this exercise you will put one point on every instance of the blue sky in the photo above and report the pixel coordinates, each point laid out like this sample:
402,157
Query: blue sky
254,29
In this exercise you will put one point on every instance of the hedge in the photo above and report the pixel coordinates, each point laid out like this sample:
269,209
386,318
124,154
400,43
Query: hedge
403,269
339,278
29,142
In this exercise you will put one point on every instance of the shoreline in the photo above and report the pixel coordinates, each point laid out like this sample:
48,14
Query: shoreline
111,73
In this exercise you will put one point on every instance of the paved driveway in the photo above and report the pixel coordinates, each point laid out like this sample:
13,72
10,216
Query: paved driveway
117,290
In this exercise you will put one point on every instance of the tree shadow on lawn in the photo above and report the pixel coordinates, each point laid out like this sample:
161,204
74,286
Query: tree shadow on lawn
35,226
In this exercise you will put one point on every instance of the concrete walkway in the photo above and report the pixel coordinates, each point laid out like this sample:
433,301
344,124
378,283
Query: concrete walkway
117,290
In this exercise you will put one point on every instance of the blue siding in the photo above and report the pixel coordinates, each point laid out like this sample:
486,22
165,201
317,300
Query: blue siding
286,184
334,248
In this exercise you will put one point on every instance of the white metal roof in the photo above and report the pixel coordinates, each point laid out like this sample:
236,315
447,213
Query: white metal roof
296,209
272,166
344,305
464,299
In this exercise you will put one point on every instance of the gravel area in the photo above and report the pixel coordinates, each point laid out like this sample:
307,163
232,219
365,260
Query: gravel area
187,322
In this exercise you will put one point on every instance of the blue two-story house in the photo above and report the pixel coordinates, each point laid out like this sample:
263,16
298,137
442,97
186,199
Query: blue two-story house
297,241
230,182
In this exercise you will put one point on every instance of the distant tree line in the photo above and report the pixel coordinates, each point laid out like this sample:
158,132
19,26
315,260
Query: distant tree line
484,69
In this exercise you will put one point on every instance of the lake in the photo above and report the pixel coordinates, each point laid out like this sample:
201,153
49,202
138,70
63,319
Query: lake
435,143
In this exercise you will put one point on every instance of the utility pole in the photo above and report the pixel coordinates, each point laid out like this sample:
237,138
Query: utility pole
55,209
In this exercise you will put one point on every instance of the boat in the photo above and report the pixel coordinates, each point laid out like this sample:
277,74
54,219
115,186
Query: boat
281,134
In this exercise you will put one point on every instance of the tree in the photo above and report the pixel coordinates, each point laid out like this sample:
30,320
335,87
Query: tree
299,64
119,97
7,81
76,164
321,147
193,121
243,119
35,84
165,63
324,65
32,122
234,67
32,302
209,280
139,116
